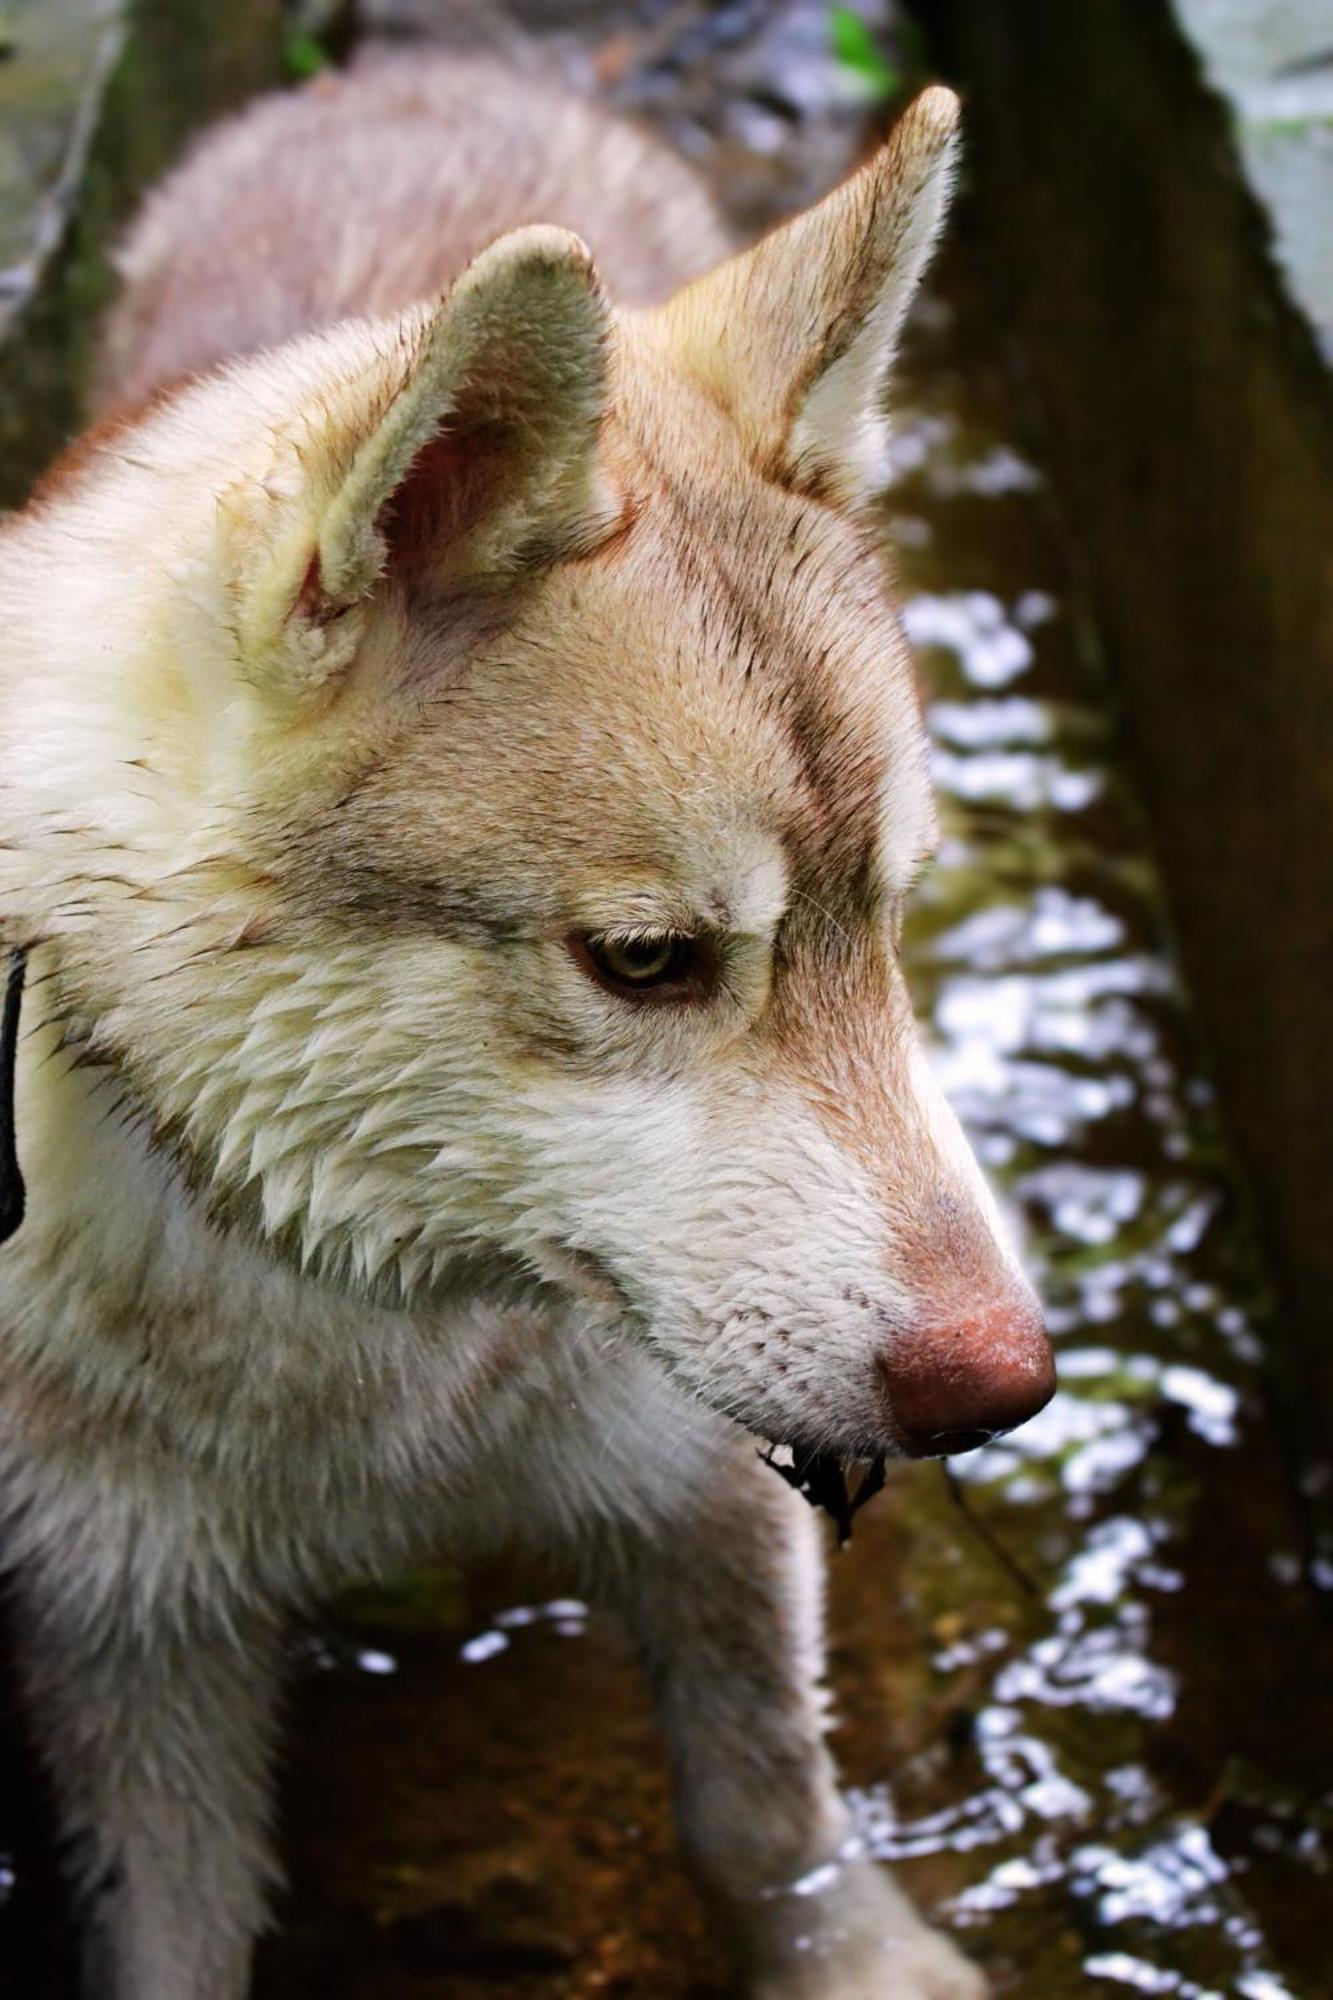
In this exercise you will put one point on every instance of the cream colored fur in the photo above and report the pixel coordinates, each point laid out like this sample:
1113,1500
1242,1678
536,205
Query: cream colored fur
339,690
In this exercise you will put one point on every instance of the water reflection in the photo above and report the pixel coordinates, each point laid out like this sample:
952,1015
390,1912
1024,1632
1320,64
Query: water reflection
567,1617
975,627
1057,1019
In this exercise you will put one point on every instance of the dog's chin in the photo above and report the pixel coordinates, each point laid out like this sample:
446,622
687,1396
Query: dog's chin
859,1439
790,1436
796,1448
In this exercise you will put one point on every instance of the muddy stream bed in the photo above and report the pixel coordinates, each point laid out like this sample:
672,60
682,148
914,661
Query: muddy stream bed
1107,1766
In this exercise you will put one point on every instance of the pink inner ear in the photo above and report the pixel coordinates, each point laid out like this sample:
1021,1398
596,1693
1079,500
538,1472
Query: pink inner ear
310,604
448,488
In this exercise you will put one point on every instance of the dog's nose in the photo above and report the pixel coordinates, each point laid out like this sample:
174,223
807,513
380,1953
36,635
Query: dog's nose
952,1388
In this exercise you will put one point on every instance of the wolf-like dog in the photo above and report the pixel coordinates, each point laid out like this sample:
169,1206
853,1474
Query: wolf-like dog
460,775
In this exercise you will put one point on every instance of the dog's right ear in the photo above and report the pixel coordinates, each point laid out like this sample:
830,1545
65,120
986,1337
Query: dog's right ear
461,446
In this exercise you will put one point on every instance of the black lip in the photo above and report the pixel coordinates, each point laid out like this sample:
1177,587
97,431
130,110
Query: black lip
950,1444
821,1478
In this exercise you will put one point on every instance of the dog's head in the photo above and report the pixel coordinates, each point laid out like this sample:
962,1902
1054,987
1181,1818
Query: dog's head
473,807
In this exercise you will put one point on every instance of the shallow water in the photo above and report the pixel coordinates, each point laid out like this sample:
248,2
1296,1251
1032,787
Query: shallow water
1152,1772
1104,1759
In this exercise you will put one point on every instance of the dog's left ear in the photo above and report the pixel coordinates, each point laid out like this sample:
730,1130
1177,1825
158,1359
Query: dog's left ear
797,335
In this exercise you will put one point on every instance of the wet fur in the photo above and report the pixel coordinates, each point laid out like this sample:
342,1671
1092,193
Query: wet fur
338,687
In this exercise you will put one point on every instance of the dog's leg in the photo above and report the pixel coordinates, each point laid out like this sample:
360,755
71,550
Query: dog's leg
723,1599
157,1725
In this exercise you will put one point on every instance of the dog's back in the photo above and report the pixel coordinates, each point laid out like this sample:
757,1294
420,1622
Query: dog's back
373,189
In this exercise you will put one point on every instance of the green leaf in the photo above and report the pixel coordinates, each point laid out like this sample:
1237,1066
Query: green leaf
303,53
855,47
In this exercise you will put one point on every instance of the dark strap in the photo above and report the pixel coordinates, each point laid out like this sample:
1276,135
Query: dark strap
13,1195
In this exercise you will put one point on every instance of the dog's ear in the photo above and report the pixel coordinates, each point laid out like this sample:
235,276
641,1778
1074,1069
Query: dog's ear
796,336
461,445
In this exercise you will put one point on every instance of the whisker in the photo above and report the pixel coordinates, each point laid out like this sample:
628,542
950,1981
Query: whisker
826,914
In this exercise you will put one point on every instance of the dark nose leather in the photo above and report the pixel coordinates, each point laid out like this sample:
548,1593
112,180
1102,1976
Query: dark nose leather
952,1388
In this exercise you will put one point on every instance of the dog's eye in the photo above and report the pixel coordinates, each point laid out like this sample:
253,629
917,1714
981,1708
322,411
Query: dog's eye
663,965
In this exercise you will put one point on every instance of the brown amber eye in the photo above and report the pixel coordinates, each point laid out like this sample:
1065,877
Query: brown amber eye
663,965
